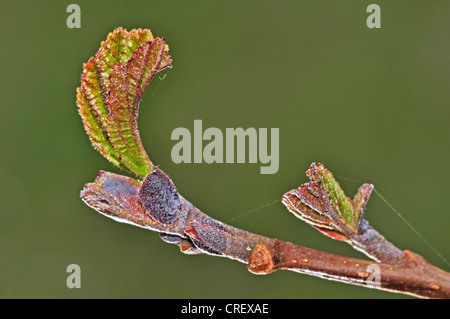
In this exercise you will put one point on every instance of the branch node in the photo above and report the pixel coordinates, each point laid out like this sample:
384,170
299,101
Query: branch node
261,260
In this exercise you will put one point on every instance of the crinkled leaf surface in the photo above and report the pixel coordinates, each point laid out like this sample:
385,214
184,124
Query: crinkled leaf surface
111,121
127,85
323,204
340,203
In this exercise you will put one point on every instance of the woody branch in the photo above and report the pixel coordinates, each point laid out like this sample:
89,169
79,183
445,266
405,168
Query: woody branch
181,223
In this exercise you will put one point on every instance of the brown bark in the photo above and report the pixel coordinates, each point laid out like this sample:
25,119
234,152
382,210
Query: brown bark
117,197
412,275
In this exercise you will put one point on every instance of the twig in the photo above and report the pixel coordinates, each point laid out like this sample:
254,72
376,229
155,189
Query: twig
413,275
179,222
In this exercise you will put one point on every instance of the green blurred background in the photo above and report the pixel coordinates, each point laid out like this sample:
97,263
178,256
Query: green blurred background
371,104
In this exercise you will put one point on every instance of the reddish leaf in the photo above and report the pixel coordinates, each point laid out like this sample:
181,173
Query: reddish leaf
127,85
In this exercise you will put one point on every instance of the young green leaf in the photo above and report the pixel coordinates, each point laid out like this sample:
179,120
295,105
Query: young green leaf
111,122
127,85
323,204
300,202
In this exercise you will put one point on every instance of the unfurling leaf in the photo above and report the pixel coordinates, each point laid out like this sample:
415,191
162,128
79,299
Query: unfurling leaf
112,86
323,204
127,85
